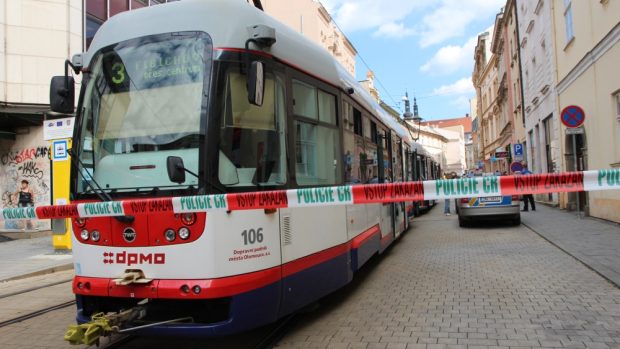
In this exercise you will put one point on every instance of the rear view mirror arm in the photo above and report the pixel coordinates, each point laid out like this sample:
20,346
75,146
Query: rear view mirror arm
75,70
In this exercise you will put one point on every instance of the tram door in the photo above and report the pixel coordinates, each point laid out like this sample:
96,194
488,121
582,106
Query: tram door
386,216
398,212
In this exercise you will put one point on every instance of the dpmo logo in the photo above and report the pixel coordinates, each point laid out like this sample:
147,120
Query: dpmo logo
130,259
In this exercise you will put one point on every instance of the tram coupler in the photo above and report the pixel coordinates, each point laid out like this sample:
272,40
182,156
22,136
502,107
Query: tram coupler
102,325
132,276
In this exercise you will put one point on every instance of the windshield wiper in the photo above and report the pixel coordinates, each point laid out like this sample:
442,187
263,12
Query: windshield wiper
101,194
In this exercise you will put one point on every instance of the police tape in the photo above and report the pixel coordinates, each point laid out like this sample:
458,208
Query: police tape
339,195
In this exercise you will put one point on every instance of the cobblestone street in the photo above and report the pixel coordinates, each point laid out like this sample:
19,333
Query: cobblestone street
482,287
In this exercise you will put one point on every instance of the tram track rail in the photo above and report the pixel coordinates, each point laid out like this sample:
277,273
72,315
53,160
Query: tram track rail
36,313
31,289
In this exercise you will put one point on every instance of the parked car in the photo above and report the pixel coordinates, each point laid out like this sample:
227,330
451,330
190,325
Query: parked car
489,208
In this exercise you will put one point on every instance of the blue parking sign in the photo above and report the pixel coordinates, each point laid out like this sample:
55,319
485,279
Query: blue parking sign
518,147
59,150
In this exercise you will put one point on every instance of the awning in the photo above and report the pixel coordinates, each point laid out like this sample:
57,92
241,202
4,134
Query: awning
13,116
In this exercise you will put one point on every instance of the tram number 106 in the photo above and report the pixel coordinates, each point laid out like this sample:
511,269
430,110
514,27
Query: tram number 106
252,236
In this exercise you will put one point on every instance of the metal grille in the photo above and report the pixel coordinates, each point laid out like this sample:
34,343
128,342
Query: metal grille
286,231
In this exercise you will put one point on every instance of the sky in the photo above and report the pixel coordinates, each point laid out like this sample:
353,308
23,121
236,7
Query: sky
425,47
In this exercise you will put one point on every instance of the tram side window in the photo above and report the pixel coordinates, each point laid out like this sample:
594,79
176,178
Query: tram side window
252,138
357,122
366,127
317,140
373,132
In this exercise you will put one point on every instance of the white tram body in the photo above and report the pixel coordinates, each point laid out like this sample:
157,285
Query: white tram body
163,81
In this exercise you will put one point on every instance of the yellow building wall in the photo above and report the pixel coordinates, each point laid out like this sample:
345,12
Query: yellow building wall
593,91
592,20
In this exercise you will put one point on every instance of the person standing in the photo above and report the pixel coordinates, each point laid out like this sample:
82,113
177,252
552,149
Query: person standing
528,197
25,198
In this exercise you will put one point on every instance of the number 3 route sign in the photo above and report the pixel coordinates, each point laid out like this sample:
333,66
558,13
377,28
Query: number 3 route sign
573,116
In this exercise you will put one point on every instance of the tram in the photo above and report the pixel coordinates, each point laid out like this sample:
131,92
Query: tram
425,167
212,97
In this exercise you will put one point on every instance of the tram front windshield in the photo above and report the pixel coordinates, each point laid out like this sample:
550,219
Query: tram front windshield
143,102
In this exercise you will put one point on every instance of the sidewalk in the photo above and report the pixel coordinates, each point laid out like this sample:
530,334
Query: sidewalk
594,242
22,258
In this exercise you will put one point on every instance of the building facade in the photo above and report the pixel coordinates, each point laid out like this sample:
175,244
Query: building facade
37,36
486,84
98,11
542,123
587,52
312,20
509,128
458,132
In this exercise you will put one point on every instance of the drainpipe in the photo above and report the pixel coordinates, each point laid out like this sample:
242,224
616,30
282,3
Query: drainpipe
6,93
520,67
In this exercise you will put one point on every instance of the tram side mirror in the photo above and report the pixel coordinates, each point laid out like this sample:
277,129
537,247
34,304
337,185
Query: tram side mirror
176,169
62,94
256,83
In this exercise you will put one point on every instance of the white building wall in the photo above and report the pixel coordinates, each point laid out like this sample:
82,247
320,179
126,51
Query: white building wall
37,36
538,67
455,151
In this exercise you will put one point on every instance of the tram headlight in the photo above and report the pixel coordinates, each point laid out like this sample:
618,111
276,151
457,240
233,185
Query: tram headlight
84,234
185,289
184,233
188,218
95,235
196,289
81,222
170,235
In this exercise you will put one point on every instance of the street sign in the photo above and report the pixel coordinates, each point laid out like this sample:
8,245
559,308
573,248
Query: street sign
516,166
60,151
575,131
502,154
572,116
518,147
58,128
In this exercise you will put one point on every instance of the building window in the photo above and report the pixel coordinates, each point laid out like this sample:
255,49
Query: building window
92,25
97,8
532,151
548,125
139,4
98,11
568,20
118,6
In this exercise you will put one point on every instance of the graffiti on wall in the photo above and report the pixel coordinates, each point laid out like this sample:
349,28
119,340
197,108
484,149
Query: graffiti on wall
16,157
25,159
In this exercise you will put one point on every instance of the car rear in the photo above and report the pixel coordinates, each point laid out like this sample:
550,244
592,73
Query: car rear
489,208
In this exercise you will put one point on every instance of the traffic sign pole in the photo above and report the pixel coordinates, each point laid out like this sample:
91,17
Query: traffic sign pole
576,168
573,117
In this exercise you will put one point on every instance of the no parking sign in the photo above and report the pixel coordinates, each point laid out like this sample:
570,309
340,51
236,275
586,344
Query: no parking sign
573,116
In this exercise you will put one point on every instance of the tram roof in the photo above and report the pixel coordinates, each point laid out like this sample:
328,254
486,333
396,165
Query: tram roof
214,17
